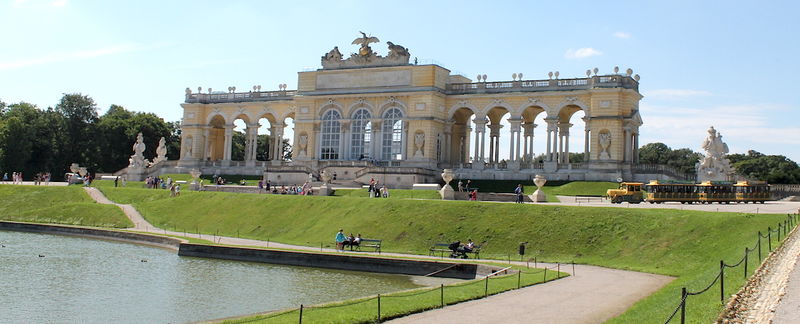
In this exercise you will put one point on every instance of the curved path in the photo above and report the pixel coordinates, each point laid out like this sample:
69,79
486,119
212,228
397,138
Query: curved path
592,295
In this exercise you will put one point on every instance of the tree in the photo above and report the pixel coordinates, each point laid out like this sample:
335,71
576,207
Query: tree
654,153
80,114
770,168
118,129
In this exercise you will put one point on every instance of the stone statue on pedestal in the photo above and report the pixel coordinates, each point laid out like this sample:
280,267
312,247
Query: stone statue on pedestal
714,166
161,151
137,160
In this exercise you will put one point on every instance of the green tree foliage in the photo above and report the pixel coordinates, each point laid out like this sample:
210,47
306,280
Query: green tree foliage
683,160
34,140
771,168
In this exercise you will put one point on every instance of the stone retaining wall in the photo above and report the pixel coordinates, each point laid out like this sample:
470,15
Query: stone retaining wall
154,240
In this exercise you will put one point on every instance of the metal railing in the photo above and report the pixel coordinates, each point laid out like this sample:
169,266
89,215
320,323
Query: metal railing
425,298
605,81
783,227
240,96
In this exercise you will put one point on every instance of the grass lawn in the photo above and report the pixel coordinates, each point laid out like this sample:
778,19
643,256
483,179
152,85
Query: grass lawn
57,205
685,244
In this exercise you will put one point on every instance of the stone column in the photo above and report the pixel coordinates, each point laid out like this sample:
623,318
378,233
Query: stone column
552,139
636,147
277,143
345,155
448,145
404,140
514,153
586,145
480,126
226,157
204,153
376,140
627,145
563,129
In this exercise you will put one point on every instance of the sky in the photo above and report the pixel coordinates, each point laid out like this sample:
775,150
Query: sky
729,64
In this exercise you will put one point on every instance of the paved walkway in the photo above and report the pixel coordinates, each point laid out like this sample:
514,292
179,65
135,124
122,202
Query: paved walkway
786,287
593,295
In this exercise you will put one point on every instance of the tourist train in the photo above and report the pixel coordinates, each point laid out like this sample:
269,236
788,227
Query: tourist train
706,192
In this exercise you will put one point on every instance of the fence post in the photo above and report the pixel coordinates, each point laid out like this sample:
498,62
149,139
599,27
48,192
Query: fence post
544,278
558,270
779,234
573,268
746,252
683,305
441,294
519,279
486,287
759,246
379,308
769,238
301,313
721,282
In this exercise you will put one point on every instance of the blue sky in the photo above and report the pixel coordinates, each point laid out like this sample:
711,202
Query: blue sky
728,64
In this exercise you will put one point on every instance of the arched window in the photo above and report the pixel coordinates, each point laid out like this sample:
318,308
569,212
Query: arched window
331,130
361,132
392,148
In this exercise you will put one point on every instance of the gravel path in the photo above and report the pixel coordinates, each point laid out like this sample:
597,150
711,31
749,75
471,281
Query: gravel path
593,295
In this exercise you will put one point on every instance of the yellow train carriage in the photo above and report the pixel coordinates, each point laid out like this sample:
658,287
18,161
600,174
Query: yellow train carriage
710,192
752,191
657,193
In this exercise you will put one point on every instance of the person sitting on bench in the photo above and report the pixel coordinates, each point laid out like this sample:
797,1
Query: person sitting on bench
469,246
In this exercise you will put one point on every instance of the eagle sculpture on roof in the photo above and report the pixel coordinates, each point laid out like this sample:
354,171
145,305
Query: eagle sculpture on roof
364,41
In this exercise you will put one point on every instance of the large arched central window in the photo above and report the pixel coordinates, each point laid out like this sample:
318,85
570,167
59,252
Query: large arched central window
392,148
331,130
360,130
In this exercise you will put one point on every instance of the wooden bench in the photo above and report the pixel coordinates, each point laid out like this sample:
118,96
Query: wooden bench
443,248
369,243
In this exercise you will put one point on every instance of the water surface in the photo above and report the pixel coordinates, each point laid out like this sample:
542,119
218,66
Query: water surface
80,280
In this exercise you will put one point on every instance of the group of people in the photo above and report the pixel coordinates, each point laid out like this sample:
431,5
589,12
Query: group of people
460,250
16,178
376,191
156,182
304,190
344,240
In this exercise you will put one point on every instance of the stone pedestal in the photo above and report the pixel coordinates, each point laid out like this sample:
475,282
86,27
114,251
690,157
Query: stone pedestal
325,190
135,174
447,191
538,196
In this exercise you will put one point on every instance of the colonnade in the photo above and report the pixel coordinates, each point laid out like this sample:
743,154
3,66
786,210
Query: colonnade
274,148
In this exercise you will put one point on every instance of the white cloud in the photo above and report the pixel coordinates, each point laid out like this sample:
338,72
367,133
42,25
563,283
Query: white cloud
675,93
69,56
59,3
621,34
582,53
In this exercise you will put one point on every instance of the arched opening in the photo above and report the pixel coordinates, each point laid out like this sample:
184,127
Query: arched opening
240,138
461,136
266,131
330,132
533,151
498,121
215,141
572,138
361,135
392,130
287,138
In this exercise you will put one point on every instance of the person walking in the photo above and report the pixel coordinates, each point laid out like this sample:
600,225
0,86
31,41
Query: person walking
473,195
460,186
518,192
5,177
340,237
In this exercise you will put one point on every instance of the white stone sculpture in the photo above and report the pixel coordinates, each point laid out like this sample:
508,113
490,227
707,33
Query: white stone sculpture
302,143
398,55
195,173
447,191
419,142
161,150
538,195
605,143
74,168
137,160
714,166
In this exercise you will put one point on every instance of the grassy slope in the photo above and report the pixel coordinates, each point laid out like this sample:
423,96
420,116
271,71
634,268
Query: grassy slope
687,244
59,205
393,193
